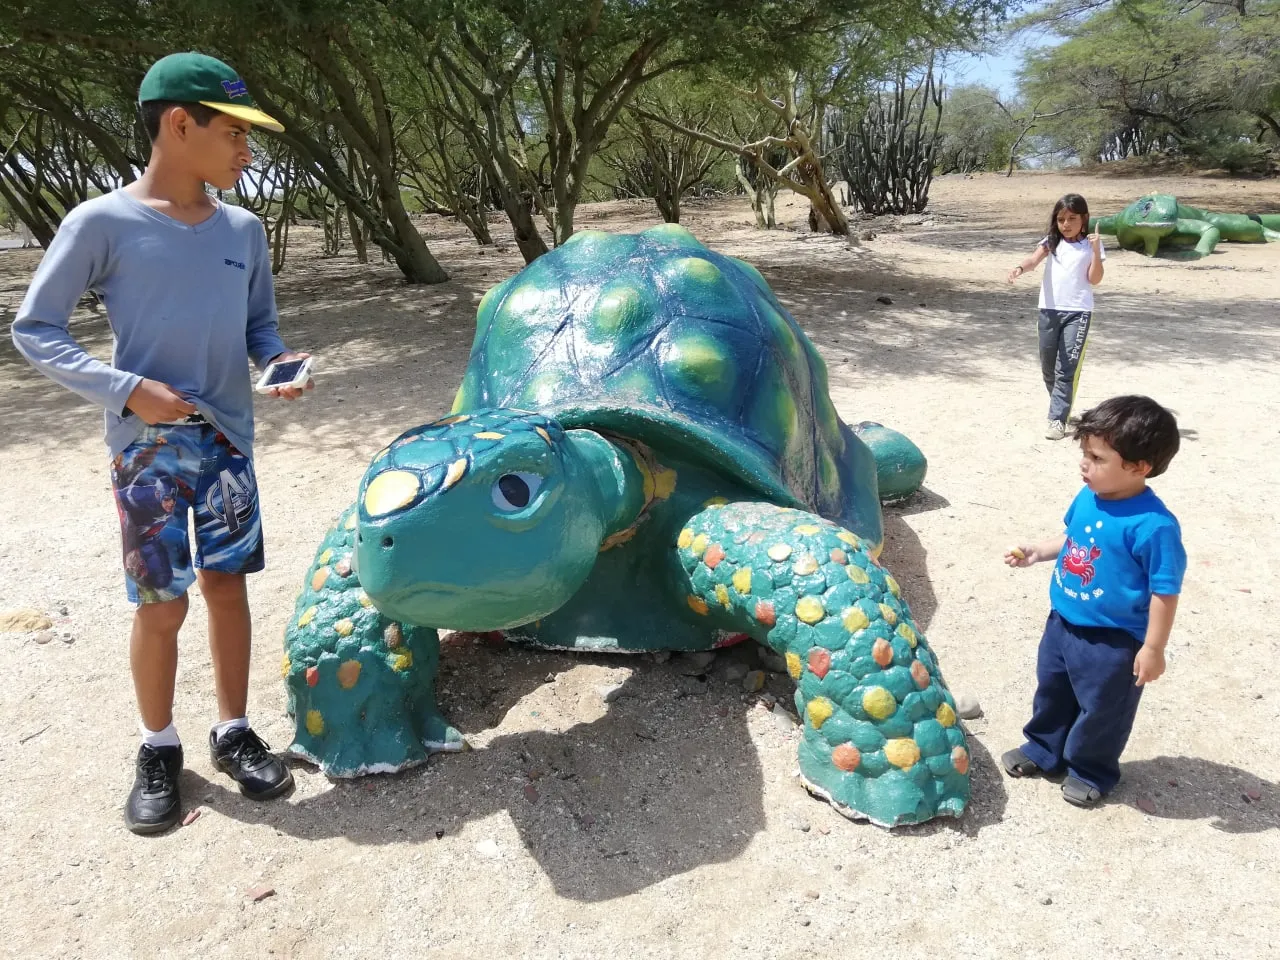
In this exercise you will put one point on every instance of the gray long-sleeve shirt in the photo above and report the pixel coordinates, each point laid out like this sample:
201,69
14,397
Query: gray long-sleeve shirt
188,305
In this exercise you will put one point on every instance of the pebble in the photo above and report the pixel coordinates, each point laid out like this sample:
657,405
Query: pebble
783,718
799,821
260,893
735,671
968,707
699,661
610,692
753,681
488,849
1146,805
191,817
1046,900
531,793
1253,795
887,301
63,611
812,894
772,662
44,636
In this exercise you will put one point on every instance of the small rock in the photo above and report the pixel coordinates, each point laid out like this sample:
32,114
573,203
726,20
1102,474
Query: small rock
699,662
1146,805
753,681
799,822
191,817
867,235
661,656
767,701
63,611
531,793
812,894
488,849
1173,783
260,893
44,636
772,662
722,711
805,923
1046,900
1253,795
439,834
549,678
610,692
887,301
968,708
825,830
785,721
735,671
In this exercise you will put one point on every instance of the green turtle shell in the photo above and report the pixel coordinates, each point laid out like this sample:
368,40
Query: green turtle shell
655,337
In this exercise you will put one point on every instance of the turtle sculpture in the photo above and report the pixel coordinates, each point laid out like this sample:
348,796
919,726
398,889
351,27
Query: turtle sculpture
642,455
1159,221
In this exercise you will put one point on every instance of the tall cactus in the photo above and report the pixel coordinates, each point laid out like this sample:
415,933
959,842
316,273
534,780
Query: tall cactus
887,159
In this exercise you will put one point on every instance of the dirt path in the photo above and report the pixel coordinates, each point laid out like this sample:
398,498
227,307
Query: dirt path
668,823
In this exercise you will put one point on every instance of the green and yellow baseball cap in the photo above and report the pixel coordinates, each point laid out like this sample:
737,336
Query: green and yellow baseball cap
196,78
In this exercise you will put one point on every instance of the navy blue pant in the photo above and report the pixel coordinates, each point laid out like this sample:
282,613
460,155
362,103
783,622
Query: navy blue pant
1085,701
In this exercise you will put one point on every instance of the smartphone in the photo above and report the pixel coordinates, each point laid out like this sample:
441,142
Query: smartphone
285,373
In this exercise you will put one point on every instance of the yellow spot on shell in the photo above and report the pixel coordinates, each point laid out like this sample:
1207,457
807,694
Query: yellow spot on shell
456,471
808,528
308,615
698,605
352,521
489,435
698,269
810,610
742,581
902,752
544,435
779,552
450,421
348,674
664,483
315,723
364,600
685,538
907,634
793,665
325,557
946,716
402,661
319,577
716,502
890,616
389,491
285,664
722,594
344,627
849,538
892,584
857,574
879,703
819,710
699,545
855,620
805,566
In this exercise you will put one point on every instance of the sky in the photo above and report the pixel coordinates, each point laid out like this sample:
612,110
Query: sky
999,68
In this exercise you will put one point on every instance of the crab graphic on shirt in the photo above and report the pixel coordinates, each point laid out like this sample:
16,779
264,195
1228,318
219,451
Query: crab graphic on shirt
1079,560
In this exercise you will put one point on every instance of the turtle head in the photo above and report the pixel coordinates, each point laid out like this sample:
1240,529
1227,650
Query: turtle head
485,520
1154,215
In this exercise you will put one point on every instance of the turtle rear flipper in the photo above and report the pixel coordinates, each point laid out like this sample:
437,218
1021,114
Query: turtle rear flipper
881,737
361,686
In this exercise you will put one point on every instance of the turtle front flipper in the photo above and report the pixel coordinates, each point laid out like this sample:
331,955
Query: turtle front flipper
1205,233
881,738
361,686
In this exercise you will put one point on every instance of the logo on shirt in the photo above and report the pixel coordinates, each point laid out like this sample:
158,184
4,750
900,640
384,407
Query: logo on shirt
234,263
1079,560
235,88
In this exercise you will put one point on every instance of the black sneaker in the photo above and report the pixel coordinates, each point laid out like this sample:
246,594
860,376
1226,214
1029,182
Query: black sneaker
154,805
241,753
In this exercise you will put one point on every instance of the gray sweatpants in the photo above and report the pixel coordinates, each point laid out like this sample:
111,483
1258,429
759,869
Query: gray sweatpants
1062,337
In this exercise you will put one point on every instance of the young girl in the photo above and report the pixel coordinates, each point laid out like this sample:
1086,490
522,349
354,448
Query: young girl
1073,265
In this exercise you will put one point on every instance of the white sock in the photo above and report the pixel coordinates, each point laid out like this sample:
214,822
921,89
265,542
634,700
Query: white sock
225,726
168,737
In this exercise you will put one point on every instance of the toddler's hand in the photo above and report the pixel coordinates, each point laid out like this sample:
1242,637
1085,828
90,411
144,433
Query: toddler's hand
1148,665
1020,556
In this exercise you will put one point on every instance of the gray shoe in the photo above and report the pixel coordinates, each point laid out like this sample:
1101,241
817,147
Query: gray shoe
1056,430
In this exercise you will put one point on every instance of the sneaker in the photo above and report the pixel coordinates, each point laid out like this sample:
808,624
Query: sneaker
243,755
154,805
1056,430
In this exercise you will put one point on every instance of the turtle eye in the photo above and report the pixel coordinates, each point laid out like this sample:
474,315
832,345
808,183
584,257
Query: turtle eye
514,491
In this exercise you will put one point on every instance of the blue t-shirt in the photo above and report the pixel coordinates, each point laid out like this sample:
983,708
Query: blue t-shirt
1118,553
189,306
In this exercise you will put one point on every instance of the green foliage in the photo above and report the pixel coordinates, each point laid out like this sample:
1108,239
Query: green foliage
976,134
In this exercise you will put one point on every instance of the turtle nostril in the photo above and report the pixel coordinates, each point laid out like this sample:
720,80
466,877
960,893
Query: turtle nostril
388,543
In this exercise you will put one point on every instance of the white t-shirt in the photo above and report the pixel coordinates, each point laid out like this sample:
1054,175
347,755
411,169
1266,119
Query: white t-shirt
1066,283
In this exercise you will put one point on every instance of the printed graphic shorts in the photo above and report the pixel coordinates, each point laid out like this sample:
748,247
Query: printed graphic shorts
167,471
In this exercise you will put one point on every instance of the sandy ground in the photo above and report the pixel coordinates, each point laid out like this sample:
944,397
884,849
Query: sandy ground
669,823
